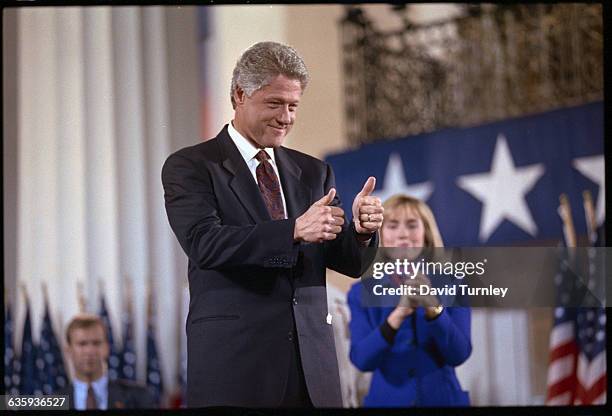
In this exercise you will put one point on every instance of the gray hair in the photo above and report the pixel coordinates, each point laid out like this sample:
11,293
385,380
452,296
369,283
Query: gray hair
263,62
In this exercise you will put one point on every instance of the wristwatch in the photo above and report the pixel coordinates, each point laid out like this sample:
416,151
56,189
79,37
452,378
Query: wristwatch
437,311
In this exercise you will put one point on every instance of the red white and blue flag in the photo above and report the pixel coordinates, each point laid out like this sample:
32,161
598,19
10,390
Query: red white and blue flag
577,371
577,368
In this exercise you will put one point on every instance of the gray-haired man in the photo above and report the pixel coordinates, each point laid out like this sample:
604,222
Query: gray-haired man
259,224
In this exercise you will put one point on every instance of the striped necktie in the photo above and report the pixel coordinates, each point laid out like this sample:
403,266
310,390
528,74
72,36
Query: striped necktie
91,398
269,186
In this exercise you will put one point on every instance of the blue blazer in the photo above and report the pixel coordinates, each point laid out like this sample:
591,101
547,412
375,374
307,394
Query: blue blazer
418,369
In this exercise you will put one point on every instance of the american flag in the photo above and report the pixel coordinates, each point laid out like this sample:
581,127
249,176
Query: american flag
54,374
154,379
577,368
29,382
11,377
127,368
591,368
113,358
178,398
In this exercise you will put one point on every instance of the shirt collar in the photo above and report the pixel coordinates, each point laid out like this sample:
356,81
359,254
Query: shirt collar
246,148
96,384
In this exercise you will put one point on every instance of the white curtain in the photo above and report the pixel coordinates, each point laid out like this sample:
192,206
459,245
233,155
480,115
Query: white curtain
98,93
497,372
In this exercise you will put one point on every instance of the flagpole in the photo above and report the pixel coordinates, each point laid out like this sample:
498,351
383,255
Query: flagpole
101,293
149,300
589,213
565,212
45,293
128,296
46,298
26,299
556,373
26,302
80,296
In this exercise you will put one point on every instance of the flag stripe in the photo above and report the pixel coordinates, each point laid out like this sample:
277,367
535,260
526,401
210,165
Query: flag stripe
560,399
561,334
601,399
590,373
569,348
560,369
588,396
568,384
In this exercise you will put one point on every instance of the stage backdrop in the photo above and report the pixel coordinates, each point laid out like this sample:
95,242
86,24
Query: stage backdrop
496,184
102,95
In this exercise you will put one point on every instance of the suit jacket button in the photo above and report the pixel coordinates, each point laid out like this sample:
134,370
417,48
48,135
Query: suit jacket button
290,336
294,300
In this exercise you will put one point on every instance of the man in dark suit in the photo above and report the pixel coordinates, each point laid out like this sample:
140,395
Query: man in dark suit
260,223
88,349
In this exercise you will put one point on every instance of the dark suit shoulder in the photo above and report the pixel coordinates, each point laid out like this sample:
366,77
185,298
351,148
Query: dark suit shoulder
129,394
127,384
195,158
130,387
66,390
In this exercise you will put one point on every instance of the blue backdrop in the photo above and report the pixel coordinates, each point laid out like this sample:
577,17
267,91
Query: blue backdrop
493,184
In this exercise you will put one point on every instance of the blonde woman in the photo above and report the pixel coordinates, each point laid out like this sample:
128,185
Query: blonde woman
411,350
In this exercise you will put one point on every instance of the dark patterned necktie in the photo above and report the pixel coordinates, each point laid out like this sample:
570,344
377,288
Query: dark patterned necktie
91,398
269,186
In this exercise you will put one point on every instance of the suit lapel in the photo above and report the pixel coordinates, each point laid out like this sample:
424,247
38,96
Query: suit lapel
115,398
241,181
297,195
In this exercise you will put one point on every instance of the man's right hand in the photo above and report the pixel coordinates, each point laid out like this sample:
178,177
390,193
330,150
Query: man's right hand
321,222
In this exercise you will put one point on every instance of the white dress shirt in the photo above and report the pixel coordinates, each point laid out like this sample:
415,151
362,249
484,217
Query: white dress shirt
100,388
248,153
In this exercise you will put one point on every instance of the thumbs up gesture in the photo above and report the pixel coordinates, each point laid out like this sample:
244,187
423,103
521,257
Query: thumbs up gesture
321,222
367,209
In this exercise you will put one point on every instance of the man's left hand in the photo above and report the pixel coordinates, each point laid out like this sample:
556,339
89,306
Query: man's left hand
367,209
